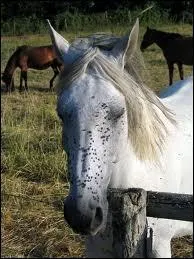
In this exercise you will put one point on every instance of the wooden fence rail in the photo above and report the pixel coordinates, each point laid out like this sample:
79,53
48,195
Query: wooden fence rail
170,205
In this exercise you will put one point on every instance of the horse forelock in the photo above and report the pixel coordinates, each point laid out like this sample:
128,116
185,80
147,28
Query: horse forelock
147,131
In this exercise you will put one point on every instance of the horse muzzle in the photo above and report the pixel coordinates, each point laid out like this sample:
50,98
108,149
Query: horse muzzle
82,218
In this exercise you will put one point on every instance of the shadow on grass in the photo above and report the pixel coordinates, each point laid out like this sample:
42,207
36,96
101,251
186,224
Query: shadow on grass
33,89
41,89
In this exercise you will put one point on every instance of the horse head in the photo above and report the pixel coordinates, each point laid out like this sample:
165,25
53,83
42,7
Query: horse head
94,116
148,39
8,80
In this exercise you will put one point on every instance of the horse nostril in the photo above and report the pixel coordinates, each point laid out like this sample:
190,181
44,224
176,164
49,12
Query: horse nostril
98,218
84,220
99,214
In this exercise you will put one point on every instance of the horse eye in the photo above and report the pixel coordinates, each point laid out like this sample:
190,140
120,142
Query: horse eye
117,113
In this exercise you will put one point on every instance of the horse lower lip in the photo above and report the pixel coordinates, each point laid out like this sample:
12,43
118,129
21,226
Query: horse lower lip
93,232
85,231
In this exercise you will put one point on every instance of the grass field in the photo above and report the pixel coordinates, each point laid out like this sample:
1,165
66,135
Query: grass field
33,164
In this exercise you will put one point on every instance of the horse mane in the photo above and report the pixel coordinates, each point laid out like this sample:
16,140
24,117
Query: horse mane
22,47
169,35
147,131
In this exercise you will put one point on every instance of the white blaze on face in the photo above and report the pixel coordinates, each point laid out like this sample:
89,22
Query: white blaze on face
94,121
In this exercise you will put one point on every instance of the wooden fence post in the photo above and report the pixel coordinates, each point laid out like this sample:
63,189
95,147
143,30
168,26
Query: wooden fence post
128,208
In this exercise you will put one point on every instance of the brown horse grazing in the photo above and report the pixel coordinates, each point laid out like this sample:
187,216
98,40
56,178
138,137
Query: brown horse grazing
176,49
26,57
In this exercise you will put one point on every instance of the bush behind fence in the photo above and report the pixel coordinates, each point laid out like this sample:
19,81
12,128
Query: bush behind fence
77,21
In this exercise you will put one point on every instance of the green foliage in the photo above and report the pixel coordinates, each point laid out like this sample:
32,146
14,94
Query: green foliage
75,21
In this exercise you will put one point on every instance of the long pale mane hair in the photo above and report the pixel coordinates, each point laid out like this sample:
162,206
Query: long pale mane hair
146,129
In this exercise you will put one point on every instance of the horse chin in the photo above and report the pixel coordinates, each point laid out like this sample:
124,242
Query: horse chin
87,220
89,231
97,230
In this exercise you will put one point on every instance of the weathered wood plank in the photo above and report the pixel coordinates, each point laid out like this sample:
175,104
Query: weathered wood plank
167,205
129,222
170,205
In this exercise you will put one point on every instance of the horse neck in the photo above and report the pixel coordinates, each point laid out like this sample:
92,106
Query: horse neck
160,38
11,65
131,172
124,173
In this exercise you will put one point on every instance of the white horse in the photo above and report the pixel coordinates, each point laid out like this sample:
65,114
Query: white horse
118,133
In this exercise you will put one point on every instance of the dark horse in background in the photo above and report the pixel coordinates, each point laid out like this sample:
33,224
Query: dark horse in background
26,57
176,49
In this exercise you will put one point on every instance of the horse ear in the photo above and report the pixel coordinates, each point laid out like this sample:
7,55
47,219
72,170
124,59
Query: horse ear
60,44
127,45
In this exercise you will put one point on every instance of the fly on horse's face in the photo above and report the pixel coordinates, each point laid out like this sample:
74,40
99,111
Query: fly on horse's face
94,119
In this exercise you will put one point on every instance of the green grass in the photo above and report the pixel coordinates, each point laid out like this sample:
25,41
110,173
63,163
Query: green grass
33,164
